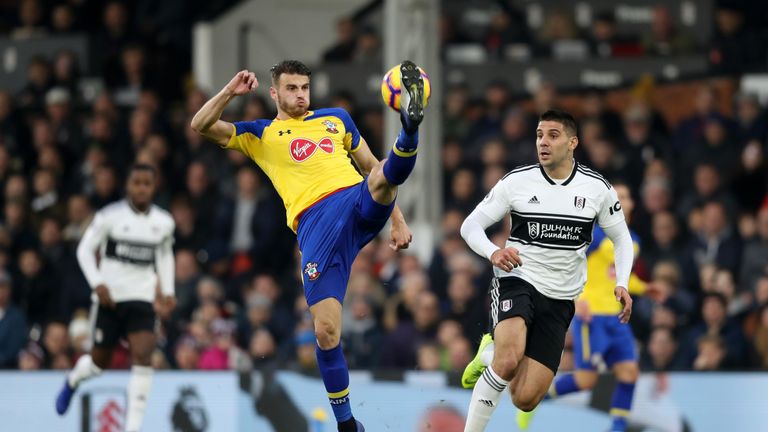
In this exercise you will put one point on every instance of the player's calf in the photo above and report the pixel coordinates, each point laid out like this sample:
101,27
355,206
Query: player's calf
402,158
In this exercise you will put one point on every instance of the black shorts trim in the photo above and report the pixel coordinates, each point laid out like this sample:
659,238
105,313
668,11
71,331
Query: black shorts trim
547,319
126,317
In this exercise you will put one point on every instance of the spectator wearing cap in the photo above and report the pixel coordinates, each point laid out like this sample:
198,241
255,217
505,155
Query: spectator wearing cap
641,144
68,132
13,325
715,323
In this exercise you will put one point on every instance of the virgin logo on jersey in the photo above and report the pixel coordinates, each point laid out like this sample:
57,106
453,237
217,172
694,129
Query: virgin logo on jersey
302,148
538,230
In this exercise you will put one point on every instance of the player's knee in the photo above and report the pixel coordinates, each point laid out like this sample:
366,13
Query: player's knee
526,402
627,373
505,366
327,333
586,380
142,358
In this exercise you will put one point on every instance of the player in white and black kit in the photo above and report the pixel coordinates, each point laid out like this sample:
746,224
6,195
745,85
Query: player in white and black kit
542,268
134,240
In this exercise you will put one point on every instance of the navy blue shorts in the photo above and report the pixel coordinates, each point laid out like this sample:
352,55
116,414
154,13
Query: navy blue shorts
331,232
605,337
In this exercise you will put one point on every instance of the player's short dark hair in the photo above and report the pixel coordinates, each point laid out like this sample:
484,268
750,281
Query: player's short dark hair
291,67
562,117
139,167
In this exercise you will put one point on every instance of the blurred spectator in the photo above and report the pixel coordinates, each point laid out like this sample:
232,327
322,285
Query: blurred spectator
39,81
750,184
641,145
691,130
428,357
187,354
761,339
75,290
712,354
250,226
368,47
56,346
751,119
344,47
665,39
605,41
715,323
262,348
464,305
518,138
558,26
105,187
667,244
507,27
38,290
734,48
715,243
186,235
661,353
754,263
464,191
63,19
13,326
31,20
362,335
716,147
400,347
31,357
708,186
79,215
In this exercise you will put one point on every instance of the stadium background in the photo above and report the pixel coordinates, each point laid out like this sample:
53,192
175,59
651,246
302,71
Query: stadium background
670,97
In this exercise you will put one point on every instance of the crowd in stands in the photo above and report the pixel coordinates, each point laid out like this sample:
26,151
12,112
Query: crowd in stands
700,185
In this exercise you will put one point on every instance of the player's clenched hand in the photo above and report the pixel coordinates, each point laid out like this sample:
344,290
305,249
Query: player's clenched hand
164,305
104,298
242,83
582,311
506,259
622,295
400,236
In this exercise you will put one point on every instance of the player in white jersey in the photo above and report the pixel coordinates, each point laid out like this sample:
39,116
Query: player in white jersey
134,239
542,268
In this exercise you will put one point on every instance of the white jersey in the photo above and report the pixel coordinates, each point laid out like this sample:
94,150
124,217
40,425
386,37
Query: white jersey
134,247
551,224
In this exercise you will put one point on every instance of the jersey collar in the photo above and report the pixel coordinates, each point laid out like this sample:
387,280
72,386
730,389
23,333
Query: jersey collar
568,180
136,210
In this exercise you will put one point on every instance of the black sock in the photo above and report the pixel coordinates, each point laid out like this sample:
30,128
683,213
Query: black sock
348,426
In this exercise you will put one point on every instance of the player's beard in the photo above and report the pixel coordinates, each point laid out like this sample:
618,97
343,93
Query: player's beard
291,110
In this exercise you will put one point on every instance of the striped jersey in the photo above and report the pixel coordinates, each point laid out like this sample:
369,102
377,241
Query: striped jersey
552,223
135,249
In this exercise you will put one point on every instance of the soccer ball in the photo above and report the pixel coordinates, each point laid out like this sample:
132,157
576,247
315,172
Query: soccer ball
390,88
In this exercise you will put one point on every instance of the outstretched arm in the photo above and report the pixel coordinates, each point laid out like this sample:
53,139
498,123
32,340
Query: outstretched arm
207,122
